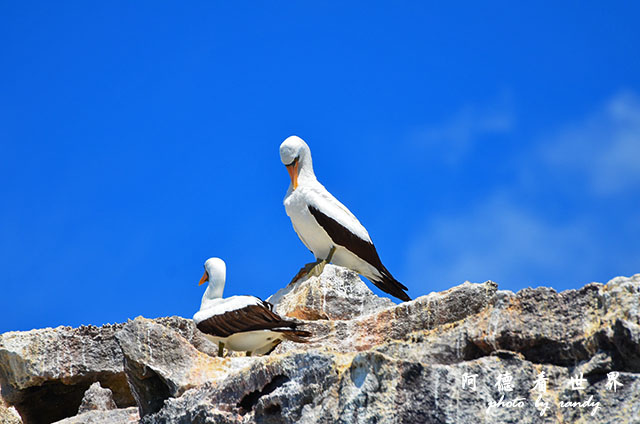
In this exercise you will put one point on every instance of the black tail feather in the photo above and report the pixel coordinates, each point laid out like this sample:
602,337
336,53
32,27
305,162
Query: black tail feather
298,336
390,285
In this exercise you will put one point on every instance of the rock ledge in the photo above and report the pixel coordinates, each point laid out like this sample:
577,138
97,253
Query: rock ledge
445,357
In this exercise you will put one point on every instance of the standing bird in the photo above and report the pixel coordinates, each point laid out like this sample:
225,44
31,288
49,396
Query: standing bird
241,323
326,226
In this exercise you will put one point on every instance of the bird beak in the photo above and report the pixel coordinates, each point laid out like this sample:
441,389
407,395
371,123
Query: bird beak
204,279
293,173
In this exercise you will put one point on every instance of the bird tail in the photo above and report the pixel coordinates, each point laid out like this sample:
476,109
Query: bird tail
298,336
388,284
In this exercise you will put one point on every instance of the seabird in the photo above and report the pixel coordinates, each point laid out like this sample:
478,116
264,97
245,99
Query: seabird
240,323
328,229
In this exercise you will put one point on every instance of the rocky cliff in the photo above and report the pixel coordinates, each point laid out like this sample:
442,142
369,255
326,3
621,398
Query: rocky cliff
471,354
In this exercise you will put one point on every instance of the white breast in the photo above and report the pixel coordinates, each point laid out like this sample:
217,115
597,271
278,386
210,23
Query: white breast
252,341
312,235
257,341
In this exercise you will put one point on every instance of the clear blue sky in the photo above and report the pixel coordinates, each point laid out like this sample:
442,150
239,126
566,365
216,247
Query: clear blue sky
474,140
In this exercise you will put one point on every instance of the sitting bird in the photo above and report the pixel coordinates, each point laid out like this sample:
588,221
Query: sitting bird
240,323
328,229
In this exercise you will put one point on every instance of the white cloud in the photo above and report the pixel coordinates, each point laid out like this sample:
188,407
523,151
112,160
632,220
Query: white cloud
455,138
517,245
501,240
604,148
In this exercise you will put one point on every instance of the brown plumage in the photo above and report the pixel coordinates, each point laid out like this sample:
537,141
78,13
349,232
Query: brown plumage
251,318
363,249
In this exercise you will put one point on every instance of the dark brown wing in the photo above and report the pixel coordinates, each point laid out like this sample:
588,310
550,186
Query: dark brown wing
298,336
340,235
249,318
363,249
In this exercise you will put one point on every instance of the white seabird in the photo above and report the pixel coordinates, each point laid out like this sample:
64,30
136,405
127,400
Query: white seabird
240,323
328,229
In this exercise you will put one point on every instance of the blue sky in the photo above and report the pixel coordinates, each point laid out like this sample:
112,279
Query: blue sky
473,140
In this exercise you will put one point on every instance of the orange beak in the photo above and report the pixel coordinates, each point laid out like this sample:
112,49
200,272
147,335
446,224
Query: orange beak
293,173
204,279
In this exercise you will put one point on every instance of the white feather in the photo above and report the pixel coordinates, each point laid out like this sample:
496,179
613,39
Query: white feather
310,192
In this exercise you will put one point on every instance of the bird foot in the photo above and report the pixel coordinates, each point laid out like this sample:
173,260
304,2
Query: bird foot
220,349
303,271
317,269
313,269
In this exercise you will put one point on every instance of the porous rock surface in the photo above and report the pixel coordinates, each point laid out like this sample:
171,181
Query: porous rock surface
9,414
369,361
112,416
338,294
97,398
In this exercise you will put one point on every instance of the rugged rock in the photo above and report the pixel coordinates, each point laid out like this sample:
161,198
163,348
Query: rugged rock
337,294
112,416
187,329
406,364
97,398
469,354
398,321
45,373
61,363
9,414
160,363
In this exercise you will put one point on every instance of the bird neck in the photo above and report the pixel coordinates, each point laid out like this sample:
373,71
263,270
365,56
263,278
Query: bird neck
305,170
214,291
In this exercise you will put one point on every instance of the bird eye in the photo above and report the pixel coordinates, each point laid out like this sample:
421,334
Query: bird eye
293,162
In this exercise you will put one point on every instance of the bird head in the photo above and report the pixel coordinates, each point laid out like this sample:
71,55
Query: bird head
294,153
215,271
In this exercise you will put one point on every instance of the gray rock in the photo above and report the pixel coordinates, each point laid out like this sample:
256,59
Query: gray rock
320,387
373,363
187,329
337,293
160,363
113,416
399,321
9,414
279,389
45,373
406,364
97,398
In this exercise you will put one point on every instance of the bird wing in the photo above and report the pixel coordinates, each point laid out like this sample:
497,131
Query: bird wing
345,230
342,236
323,201
247,318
